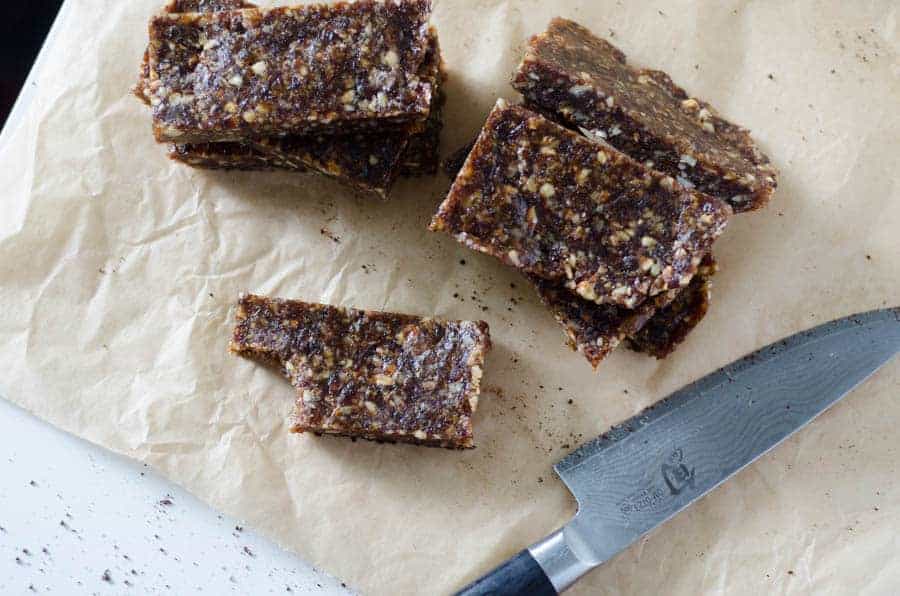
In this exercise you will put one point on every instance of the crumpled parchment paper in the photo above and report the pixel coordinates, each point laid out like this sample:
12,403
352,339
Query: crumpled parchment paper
119,269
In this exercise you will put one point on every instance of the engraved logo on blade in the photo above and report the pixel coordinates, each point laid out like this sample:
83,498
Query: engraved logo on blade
676,477
676,474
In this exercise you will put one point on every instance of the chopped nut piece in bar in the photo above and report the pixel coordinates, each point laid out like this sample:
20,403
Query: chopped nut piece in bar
374,375
584,79
671,324
555,204
226,76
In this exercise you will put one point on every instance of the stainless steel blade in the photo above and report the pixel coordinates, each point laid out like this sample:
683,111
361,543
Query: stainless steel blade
644,471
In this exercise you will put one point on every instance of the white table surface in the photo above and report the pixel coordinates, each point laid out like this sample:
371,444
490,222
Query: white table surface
77,519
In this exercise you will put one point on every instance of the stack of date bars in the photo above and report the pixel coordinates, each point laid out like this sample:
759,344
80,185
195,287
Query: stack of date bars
607,189
349,90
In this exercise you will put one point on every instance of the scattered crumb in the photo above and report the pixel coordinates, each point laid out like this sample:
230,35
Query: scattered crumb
107,577
248,552
330,235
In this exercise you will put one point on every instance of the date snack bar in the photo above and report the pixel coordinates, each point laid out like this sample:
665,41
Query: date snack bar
367,162
374,375
586,81
227,76
561,207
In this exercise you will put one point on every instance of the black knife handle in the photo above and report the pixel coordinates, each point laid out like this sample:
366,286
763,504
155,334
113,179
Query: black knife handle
519,576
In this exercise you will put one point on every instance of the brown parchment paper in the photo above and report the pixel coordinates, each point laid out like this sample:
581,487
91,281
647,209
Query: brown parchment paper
119,268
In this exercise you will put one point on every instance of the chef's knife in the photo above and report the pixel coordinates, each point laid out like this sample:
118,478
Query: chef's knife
649,468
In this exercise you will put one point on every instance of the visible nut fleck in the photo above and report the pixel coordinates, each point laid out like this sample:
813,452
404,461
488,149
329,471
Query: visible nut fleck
236,80
688,159
577,90
383,379
259,68
547,190
390,58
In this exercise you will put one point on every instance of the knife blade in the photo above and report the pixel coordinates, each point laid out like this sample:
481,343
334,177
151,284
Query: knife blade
647,469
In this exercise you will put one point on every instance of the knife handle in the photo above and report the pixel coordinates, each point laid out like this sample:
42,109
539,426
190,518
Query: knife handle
519,576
